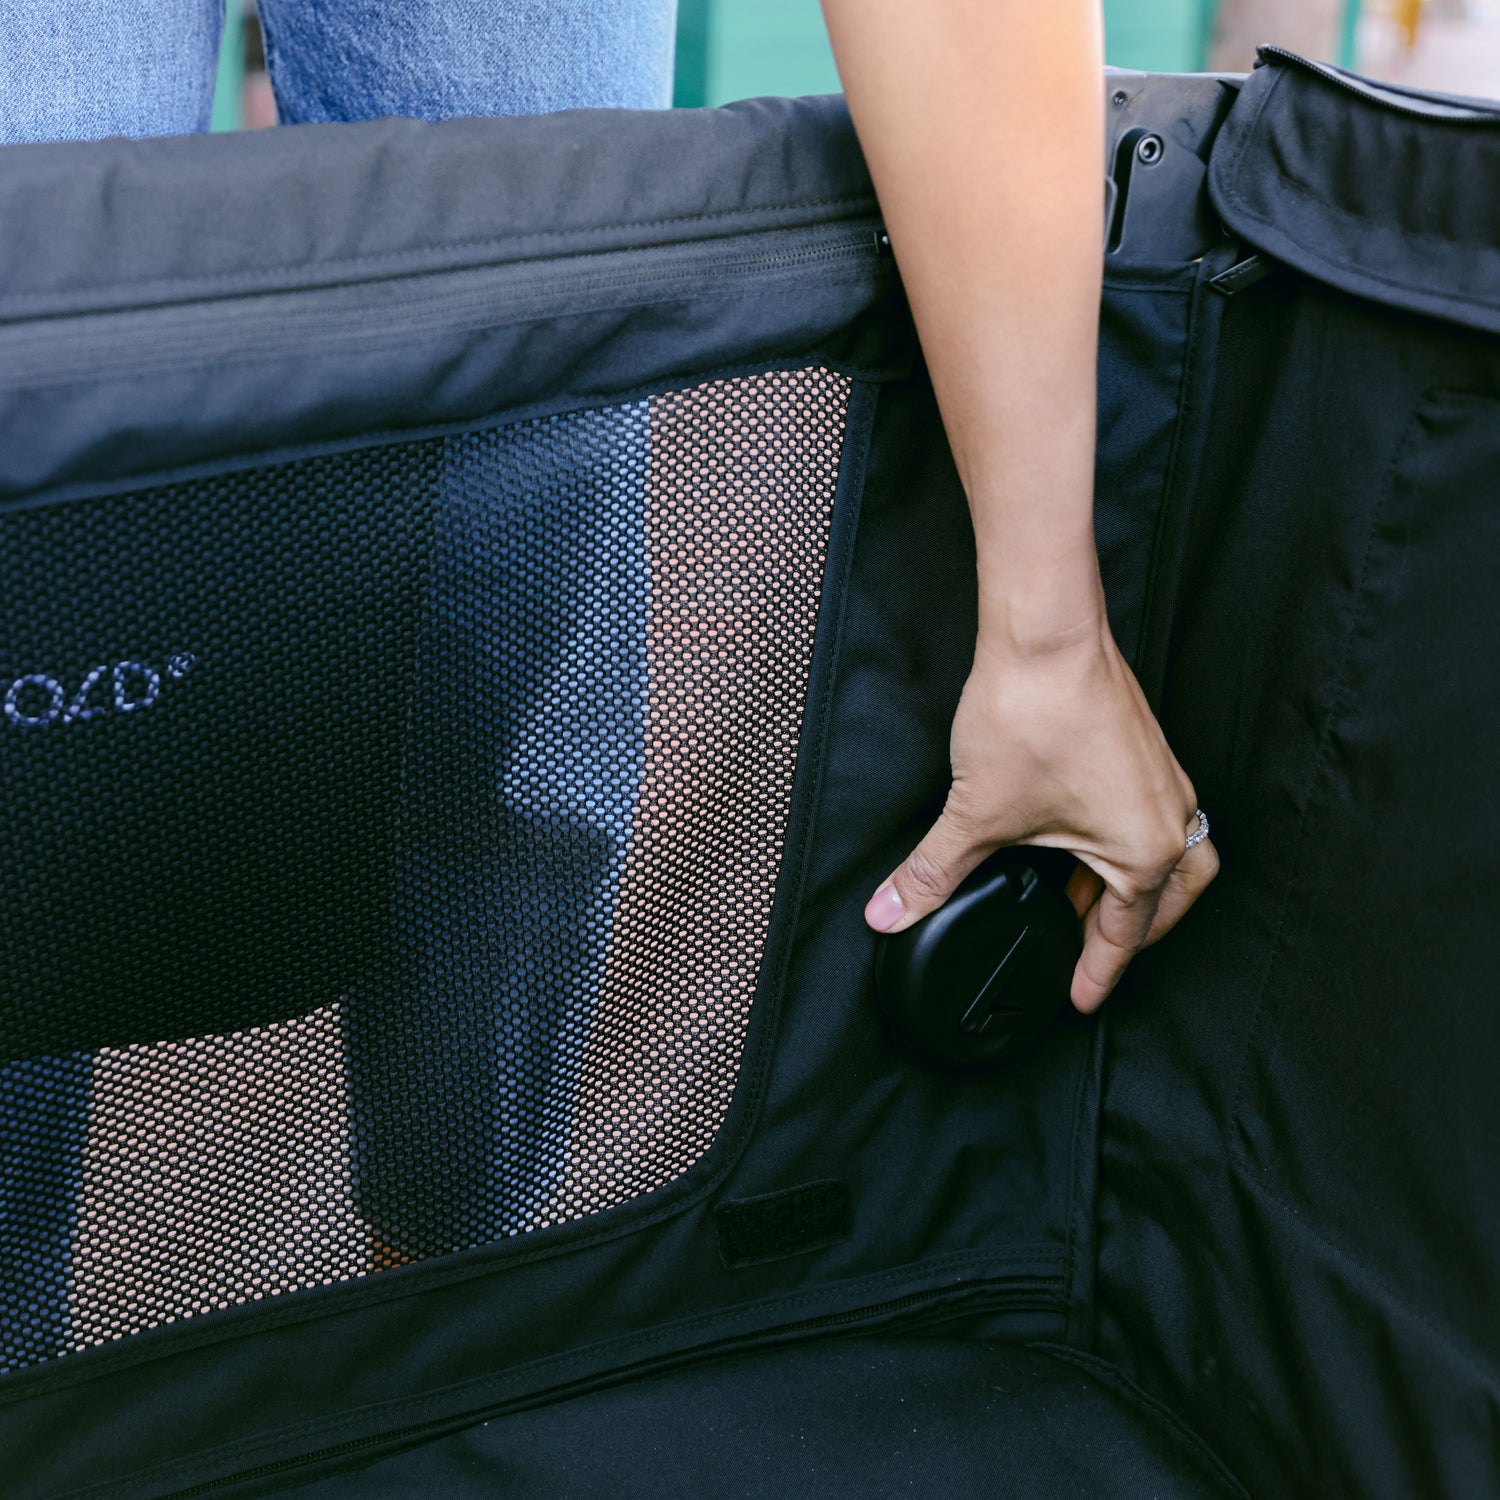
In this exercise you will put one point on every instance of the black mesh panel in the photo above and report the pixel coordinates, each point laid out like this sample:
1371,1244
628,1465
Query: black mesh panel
399,832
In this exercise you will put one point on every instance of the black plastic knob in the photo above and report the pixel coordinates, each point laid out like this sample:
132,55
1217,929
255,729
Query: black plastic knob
978,981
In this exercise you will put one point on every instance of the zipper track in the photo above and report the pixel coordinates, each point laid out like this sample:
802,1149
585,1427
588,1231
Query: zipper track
366,315
1454,110
910,1302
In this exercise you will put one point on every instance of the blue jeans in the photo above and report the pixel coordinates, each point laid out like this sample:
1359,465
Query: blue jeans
85,69
526,749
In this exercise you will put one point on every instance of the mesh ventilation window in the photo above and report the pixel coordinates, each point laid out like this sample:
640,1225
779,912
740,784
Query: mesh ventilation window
401,828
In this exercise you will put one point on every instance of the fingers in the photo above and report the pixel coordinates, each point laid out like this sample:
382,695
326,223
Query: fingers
1114,931
1084,887
1115,928
1119,919
927,877
1190,877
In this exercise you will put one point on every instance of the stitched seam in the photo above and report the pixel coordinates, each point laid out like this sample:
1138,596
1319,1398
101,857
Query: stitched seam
1186,411
246,460
1076,1211
384,257
1133,288
826,273
1315,774
411,1406
947,1264
1069,1269
1126,1388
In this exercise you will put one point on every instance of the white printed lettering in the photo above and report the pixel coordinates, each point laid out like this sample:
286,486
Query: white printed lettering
124,670
37,700
78,710
14,709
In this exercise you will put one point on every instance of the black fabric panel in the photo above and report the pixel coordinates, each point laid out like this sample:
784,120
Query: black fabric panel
123,223
863,1418
972,1197
158,390
1297,1218
993,1155
173,302
1384,193
1142,343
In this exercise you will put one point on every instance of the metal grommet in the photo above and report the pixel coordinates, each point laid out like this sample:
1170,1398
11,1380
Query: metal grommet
1150,150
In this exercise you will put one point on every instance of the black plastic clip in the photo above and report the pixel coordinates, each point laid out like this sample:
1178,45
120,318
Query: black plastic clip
1253,269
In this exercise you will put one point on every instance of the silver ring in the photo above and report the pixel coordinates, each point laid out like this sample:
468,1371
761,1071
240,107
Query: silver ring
1201,832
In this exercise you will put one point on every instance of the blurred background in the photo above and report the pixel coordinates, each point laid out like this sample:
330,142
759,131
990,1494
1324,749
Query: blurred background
735,49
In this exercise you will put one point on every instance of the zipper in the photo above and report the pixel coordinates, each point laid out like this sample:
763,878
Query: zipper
139,341
909,1303
1460,111
1243,275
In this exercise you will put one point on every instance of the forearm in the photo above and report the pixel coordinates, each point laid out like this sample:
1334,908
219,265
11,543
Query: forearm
982,121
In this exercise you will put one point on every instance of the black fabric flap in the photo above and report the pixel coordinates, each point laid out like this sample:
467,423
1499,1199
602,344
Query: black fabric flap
1384,192
169,303
97,225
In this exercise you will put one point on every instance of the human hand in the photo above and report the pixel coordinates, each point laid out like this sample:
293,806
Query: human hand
1058,747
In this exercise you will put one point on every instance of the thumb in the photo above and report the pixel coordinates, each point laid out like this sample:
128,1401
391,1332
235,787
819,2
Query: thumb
927,877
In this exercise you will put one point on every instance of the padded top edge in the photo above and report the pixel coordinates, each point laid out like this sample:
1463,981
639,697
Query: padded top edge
1426,102
105,224
1388,194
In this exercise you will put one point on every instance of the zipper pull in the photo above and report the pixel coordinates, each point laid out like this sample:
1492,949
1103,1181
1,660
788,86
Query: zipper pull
1239,278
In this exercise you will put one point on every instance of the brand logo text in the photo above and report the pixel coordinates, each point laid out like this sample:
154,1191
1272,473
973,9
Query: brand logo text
41,701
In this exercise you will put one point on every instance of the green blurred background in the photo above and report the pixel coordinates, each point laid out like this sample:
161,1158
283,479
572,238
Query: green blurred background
734,49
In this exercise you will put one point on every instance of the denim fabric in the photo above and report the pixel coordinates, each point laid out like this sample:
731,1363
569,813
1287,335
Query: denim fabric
80,70
85,69
526,748
435,59
39,1183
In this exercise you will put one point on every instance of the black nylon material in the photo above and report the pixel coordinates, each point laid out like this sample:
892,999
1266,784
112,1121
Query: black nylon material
398,275
868,1417
1263,1186
1382,192
328,205
1299,1233
987,1221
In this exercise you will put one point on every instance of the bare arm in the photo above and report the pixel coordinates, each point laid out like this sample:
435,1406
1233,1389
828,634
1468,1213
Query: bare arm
982,121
